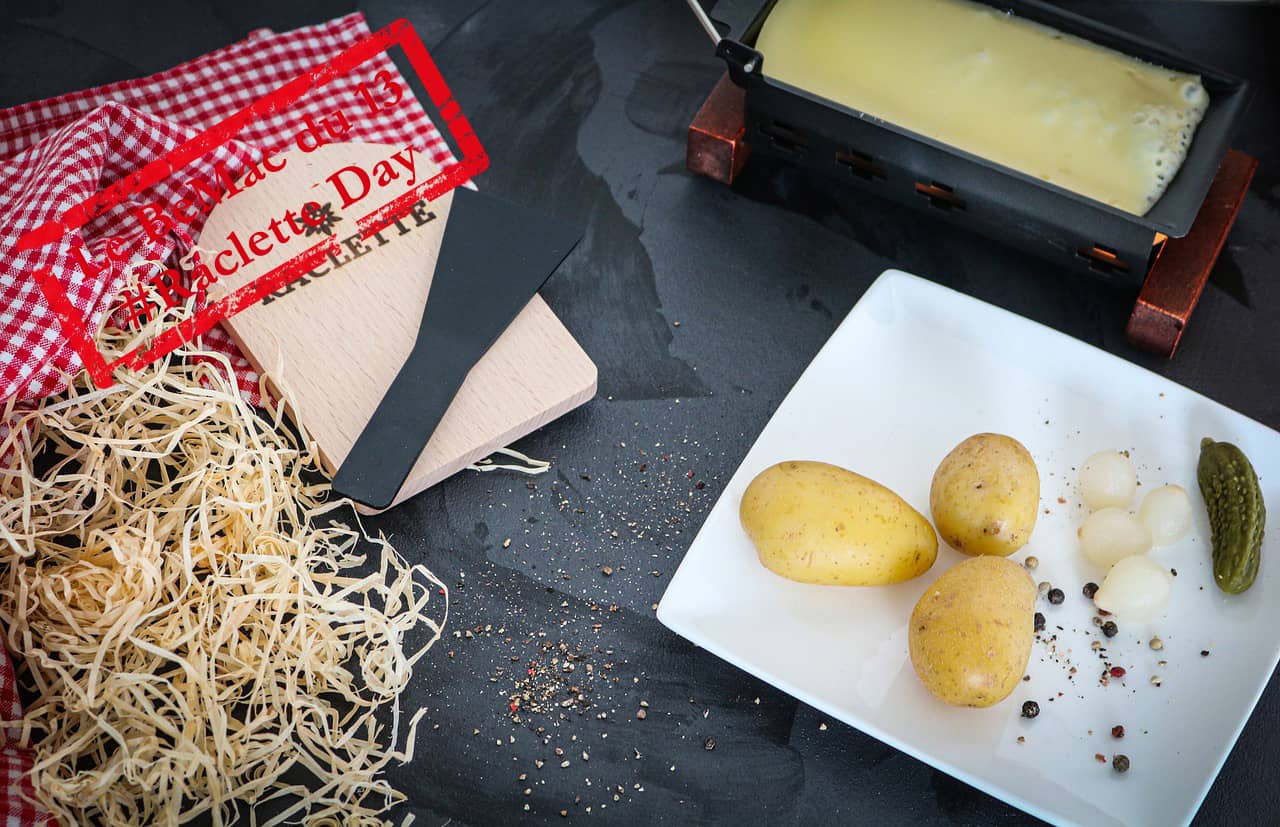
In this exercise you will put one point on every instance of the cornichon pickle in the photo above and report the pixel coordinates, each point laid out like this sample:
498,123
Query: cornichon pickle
1237,513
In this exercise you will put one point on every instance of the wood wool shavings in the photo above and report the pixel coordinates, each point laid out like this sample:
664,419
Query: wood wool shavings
523,464
192,635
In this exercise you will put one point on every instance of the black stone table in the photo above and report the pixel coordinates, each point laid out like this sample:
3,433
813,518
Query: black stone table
701,306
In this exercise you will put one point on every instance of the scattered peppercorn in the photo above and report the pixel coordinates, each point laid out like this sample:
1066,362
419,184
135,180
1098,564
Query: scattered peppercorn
1090,589
1204,653
1030,709
1157,644
1039,620
1056,596
1104,612
1117,731
1110,629
641,714
710,744
1116,671
1032,562
1120,763
1044,587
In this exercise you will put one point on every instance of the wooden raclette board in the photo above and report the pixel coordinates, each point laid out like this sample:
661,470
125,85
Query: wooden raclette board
331,343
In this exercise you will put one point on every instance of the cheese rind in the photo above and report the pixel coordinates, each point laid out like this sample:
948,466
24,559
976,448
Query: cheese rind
1084,117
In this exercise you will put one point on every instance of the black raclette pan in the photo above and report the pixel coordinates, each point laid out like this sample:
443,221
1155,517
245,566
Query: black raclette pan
1070,229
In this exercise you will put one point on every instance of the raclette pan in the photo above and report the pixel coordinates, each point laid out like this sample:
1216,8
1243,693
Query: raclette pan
871,154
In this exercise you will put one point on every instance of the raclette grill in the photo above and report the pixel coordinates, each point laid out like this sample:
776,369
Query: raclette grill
749,112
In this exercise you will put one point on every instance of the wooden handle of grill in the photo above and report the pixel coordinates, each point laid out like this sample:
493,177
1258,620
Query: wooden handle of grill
1182,267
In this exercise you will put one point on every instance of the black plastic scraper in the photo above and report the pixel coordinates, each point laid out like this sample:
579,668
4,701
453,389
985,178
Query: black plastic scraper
494,257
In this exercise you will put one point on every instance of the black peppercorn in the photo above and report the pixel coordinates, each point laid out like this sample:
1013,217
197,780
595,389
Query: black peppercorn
1120,763
1056,596
1090,589
1110,629
1039,619
1030,709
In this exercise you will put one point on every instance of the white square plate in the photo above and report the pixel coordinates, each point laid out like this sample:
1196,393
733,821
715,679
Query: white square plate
914,369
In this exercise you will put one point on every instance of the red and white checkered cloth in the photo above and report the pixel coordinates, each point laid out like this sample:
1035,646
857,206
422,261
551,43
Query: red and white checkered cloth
17,796
55,152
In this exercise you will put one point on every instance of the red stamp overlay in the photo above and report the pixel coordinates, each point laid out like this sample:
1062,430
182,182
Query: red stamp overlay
158,219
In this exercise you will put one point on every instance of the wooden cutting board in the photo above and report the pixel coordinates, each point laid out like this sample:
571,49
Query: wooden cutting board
331,343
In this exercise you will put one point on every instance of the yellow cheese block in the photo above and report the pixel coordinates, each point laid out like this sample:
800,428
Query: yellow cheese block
1084,117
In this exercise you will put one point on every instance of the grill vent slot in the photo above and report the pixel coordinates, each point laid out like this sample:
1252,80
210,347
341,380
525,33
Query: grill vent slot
1103,260
941,196
785,138
861,165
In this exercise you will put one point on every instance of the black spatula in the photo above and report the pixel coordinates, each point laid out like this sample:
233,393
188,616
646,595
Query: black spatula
494,257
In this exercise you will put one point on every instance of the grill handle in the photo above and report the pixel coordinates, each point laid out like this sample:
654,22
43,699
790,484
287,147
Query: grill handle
704,21
743,61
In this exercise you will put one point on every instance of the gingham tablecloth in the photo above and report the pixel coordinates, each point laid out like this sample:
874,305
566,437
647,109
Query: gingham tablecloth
55,152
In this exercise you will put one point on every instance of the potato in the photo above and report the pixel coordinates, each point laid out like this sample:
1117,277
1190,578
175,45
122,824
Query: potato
819,523
985,496
971,632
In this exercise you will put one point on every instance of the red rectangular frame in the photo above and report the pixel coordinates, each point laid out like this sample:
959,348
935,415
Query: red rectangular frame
399,33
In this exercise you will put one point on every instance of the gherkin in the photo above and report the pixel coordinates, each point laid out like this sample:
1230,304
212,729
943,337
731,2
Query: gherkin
1237,513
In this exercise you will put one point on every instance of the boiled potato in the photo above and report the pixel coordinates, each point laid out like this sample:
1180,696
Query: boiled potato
985,496
971,632
819,523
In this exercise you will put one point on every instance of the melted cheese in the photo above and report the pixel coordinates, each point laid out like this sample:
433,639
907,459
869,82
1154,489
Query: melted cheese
1081,116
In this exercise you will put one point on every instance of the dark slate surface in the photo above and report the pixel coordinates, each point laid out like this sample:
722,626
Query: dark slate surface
701,306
